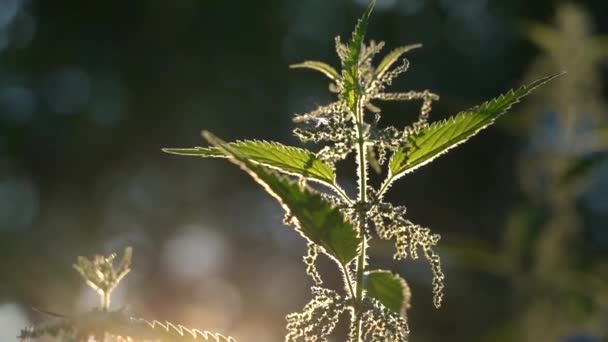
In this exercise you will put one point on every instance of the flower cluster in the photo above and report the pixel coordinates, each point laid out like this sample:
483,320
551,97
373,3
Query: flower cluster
336,124
343,129
318,318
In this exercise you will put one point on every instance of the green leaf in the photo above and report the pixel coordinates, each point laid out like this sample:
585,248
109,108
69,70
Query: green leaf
169,332
392,57
326,69
315,218
350,66
389,289
440,137
287,159
196,152
117,323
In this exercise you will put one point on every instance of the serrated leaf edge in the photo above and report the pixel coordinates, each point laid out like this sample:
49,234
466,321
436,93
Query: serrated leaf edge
183,331
525,89
321,67
243,162
392,57
403,283
328,180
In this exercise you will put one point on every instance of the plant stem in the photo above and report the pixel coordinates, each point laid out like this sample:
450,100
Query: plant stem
349,282
105,301
385,185
341,193
362,180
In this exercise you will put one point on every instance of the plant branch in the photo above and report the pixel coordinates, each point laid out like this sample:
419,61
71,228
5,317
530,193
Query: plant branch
338,190
349,282
385,186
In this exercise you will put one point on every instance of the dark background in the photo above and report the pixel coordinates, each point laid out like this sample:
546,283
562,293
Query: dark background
90,91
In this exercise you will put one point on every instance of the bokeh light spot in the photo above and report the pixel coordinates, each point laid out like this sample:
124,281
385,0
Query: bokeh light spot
4,39
23,30
19,203
218,304
195,252
17,104
108,101
12,319
409,7
67,90
8,11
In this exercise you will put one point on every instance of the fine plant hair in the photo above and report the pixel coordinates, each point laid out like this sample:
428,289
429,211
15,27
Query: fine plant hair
342,227
333,223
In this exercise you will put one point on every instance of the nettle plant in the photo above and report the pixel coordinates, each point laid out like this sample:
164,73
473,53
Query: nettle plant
341,227
332,222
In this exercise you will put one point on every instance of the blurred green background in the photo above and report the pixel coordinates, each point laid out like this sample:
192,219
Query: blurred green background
90,91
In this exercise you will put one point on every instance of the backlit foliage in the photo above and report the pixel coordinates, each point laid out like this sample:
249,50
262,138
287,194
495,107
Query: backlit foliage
100,274
103,325
335,224
341,226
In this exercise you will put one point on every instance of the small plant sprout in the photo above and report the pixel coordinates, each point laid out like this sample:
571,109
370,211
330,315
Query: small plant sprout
100,274
104,325
338,225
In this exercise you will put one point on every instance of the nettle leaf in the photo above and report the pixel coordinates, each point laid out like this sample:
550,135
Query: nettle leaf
350,66
117,323
392,57
325,68
165,331
315,218
441,136
287,159
389,289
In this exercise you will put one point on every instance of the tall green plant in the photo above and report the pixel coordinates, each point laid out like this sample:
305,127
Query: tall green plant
338,225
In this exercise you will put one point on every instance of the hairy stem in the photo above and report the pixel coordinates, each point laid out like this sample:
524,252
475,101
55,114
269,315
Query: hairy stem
349,283
362,180
385,185
342,194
